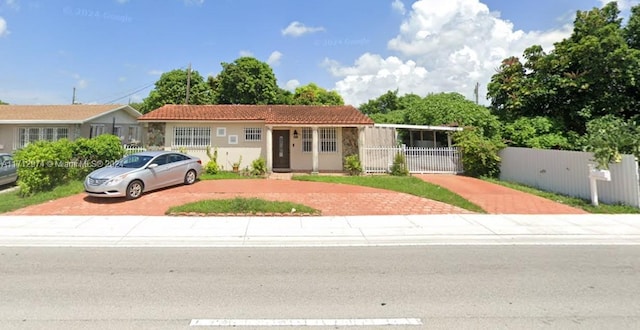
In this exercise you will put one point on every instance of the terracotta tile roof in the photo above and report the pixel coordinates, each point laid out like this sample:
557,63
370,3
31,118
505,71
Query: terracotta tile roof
69,113
270,114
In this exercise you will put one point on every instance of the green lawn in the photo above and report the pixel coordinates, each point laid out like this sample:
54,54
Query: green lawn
571,201
240,205
225,176
408,184
11,201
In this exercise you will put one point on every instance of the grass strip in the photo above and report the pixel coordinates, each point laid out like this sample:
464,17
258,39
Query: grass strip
10,201
240,205
405,184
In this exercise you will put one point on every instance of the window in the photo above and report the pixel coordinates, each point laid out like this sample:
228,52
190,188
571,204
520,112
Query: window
30,134
117,131
233,139
96,129
328,140
133,134
252,134
221,131
192,136
307,139
160,160
173,158
49,134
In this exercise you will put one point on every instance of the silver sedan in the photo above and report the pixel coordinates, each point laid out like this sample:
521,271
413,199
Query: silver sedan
8,171
144,171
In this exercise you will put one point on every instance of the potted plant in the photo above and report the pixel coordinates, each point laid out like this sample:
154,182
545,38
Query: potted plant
236,165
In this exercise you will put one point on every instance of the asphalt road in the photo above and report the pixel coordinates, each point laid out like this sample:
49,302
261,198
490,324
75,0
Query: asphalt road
510,287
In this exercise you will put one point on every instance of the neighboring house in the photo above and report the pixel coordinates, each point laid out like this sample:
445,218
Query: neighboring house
289,137
22,124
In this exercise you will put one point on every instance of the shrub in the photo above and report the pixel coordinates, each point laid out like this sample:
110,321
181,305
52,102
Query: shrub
259,167
352,165
212,166
42,165
399,167
609,137
91,154
479,154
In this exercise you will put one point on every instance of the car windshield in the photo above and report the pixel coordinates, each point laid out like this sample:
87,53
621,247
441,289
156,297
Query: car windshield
133,161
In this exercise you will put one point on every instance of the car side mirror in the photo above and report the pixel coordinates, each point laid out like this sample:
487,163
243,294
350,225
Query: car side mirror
154,165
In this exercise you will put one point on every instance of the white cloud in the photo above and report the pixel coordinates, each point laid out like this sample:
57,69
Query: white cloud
442,47
38,96
155,72
622,4
3,27
274,58
122,1
246,53
398,6
136,98
296,29
292,84
12,4
81,83
193,2
372,76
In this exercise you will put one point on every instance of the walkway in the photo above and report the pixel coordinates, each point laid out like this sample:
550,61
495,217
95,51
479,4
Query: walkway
433,229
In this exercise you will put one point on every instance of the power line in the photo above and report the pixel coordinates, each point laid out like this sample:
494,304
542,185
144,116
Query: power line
129,94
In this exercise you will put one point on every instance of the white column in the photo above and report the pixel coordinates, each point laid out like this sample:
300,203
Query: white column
314,148
361,144
269,152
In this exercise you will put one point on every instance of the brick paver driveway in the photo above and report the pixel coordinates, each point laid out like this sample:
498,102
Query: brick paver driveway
497,199
331,199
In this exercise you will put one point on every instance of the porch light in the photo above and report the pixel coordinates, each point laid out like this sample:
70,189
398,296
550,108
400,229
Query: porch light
295,134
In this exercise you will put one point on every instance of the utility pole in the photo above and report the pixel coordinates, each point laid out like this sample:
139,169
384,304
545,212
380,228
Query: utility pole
73,99
186,101
475,91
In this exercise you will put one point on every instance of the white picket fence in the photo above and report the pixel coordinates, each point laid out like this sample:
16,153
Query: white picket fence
419,160
128,150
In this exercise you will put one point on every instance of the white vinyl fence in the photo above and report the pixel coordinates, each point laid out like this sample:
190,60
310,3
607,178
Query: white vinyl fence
567,173
419,160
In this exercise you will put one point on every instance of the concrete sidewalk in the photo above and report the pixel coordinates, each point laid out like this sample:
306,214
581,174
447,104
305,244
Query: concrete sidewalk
450,229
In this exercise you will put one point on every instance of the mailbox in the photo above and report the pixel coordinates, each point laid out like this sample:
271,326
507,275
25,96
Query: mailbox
604,175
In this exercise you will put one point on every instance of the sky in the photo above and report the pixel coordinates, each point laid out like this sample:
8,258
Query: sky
113,51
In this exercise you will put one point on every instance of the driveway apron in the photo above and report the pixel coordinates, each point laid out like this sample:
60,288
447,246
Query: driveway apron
497,199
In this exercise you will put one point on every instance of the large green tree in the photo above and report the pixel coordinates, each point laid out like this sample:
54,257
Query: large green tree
593,73
453,109
312,94
171,88
245,81
389,107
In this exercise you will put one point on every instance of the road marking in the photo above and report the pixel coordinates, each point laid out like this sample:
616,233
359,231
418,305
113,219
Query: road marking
304,322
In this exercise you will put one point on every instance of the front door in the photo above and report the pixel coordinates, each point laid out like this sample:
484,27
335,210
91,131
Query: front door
281,150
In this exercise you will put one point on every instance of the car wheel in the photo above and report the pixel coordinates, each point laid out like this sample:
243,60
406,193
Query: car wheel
134,189
190,177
